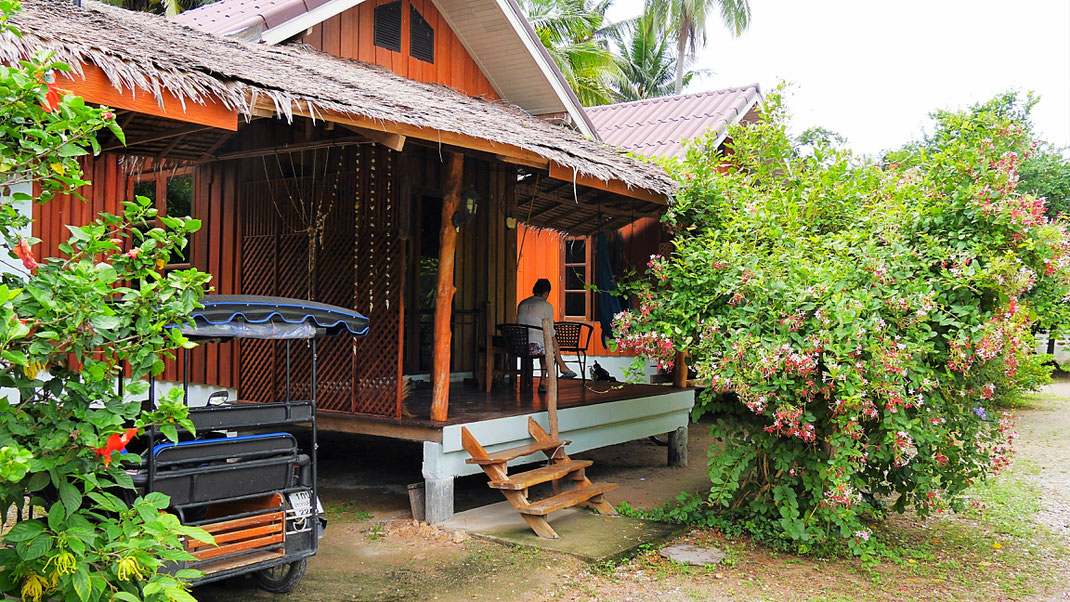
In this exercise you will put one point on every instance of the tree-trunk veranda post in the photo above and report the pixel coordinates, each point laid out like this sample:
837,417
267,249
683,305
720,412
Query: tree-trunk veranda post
451,200
550,353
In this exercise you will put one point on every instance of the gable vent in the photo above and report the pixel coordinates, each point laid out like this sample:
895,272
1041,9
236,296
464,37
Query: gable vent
421,37
388,26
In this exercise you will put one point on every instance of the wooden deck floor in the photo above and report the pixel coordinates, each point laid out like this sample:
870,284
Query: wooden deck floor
468,403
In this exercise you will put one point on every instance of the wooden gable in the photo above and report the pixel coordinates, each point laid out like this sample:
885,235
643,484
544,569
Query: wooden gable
351,35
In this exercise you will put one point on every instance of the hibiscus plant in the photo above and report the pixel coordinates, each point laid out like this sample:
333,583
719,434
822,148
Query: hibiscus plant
858,322
69,327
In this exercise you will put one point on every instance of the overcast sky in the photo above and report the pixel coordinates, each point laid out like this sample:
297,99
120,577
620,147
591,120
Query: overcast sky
872,71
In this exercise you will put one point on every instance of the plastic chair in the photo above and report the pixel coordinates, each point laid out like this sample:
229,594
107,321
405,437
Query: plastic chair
516,344
574,337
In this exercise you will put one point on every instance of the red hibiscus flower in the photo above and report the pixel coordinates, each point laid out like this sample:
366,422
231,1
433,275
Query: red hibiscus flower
116,442
51,98
26,255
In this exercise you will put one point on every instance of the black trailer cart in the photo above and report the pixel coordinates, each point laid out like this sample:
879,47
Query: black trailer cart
244,478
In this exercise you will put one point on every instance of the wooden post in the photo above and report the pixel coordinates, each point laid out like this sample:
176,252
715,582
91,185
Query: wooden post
551,375
447,250
679,372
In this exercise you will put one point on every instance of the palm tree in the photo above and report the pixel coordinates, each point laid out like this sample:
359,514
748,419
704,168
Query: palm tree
160,7
574,33
690,20
648,64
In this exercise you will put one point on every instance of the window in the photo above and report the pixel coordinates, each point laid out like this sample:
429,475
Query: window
421,37
388,26
172,192
578,277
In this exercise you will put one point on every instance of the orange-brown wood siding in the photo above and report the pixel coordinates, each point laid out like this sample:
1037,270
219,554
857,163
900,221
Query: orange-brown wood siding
214,205
540,253
351,35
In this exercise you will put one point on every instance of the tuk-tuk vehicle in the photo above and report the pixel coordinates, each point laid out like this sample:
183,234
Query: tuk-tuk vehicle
244,478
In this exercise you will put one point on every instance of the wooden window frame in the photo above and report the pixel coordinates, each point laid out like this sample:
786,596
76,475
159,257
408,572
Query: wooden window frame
588,265
161,177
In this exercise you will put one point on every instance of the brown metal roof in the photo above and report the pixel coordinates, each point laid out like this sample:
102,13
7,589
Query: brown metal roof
231,16
657,127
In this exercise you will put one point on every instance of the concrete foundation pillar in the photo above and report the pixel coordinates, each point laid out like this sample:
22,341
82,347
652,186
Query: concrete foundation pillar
678,447
438,500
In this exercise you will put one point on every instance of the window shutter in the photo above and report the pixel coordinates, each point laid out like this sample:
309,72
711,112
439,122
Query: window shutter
421,37
388,26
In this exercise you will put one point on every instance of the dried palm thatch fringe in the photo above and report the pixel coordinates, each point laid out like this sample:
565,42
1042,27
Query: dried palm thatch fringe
142,53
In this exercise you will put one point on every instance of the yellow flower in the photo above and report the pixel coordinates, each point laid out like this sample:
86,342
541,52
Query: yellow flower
58,168
997,545
31,371
33,588
159,264
64,563
129,568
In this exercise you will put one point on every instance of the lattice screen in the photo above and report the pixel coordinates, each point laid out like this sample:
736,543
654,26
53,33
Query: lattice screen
331,238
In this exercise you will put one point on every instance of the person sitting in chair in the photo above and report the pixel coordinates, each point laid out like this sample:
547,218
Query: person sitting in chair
532,311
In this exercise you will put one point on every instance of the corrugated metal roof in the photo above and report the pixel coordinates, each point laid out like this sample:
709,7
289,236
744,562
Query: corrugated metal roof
658,127
237,15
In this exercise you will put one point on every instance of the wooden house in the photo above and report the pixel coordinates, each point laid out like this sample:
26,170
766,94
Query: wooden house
658,128
382,163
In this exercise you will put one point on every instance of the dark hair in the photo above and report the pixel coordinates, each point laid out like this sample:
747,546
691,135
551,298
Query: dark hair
542,286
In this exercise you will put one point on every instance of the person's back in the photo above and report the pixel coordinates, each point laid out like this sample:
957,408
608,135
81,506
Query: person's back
532,311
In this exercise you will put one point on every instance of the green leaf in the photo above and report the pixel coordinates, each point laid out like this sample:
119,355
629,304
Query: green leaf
126,596
15,357
105,322
158,500
71,150
24,531
170,432
35,548
80,580
56,515
68,493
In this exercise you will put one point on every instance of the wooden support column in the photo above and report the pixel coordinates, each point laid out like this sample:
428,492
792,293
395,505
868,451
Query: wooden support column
551,375
679,372
447,251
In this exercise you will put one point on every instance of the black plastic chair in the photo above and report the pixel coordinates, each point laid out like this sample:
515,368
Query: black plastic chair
516,344
574,337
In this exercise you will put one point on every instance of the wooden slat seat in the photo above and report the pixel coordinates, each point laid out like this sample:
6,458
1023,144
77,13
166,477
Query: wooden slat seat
506,455
566,499
544,474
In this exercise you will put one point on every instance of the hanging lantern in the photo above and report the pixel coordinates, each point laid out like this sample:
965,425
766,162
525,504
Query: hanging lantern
468,209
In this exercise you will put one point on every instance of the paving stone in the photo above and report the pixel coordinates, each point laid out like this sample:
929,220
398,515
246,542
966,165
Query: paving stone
693,555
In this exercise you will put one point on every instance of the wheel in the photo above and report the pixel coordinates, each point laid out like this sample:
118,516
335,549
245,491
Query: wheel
281,579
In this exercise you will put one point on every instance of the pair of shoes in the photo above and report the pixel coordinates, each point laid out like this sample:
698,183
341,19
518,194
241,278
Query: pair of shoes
567,375
542,388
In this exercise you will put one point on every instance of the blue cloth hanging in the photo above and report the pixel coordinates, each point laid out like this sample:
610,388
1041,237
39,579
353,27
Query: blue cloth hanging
607,304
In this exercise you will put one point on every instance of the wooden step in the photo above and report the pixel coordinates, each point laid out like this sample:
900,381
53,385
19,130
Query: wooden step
505,455
566,499
545,474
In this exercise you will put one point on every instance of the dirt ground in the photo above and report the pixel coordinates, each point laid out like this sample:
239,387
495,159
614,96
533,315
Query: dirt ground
1015,548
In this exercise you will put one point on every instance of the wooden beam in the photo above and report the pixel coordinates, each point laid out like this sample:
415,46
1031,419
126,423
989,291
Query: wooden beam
173,133
287,148
440,375
506,152
679,370
560,172
394,142
97,88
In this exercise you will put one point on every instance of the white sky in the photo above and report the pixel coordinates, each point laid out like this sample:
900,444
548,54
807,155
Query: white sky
872,71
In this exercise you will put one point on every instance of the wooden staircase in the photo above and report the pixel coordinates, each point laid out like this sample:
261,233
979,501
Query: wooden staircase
561,469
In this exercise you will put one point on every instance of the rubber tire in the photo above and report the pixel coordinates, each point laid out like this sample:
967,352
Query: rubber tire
286,581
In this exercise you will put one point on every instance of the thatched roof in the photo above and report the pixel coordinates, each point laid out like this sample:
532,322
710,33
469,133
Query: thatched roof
138,50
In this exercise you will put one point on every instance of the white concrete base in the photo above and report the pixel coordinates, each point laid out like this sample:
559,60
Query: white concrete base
588,427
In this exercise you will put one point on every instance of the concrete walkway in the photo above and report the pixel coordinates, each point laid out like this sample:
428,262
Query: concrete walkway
584,534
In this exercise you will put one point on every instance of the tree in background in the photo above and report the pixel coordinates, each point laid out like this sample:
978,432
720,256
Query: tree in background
575,34
690,19
860,325
648,61
159,7
1046,174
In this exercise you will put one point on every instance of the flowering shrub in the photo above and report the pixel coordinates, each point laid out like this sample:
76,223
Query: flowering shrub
67,326
858,323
